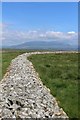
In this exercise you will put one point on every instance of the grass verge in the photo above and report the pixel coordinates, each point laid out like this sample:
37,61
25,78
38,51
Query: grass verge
5,59
6,55
59,72
0,65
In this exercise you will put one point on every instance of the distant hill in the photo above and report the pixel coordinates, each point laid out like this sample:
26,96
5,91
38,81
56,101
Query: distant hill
45,45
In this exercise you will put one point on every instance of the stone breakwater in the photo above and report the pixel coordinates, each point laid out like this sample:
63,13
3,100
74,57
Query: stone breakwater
22,94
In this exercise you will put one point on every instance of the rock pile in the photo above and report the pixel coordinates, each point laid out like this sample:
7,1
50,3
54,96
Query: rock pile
22,94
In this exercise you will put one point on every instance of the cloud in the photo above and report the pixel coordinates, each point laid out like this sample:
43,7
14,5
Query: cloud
72,32
13,37
3,25
17,37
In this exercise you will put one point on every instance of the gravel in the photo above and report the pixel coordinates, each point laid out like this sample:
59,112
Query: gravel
23,95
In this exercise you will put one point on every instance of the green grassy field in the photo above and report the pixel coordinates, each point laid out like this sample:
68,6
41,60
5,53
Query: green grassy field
59,72
0,66
6,57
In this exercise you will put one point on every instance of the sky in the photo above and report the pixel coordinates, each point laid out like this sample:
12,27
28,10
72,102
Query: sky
40,0
25,21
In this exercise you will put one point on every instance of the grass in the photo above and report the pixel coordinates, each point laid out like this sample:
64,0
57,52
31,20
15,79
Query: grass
59,72
6,57
0,66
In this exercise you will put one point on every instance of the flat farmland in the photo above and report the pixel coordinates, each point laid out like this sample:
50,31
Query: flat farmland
0,65
59,72
5,59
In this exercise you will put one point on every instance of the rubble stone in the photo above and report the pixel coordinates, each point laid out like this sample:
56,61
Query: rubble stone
23,95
